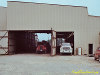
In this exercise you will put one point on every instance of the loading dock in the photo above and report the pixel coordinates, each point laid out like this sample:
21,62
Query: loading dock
25,41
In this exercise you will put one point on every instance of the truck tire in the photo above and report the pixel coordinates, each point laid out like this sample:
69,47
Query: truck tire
71,54
60,53
45,52
95,58
36,52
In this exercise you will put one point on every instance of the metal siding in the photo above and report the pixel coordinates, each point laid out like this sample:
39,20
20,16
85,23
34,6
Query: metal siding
31,16
3,17
93,31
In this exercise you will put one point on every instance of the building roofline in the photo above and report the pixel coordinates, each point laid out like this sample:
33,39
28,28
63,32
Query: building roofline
47,4
94,16
56,5
3,7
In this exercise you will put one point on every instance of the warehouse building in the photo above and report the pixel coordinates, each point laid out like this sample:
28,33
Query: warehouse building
62,21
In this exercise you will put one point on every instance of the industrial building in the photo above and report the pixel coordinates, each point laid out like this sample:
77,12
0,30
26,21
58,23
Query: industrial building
21,19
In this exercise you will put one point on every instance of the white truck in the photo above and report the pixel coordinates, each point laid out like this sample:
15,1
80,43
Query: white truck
66,48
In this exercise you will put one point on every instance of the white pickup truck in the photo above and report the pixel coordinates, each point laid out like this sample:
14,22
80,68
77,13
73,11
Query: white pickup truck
66,48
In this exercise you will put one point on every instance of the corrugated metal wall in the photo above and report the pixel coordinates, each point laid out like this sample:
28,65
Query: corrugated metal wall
93,30
3,18
31,16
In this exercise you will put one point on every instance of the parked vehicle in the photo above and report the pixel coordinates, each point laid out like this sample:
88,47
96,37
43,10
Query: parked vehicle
66,48
97,54
41,48
47,45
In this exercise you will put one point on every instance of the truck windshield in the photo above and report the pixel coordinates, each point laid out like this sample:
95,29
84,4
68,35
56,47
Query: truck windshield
65,44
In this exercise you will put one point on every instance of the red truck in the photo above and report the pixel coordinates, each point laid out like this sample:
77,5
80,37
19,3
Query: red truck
97,54
41,48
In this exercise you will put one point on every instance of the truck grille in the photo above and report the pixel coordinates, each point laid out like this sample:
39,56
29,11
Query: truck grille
66,48
41,47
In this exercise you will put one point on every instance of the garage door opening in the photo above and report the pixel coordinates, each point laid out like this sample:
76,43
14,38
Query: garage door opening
27,41
44,39
64,37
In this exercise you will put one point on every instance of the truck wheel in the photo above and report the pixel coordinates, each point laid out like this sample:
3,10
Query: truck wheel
71,54
45,52
36,52
95,58
99,59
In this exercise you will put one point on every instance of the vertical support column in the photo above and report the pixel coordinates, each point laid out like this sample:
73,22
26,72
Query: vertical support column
53,43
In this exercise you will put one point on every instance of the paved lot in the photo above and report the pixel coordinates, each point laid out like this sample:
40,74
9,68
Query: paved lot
43,64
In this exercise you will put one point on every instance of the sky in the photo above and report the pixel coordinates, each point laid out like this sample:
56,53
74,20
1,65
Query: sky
93,5
44,36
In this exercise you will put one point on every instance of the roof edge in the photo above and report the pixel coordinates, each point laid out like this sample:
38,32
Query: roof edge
47,4
3,7
93,16
57,5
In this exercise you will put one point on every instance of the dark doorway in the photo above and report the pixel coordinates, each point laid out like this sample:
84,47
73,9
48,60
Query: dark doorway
24,41
90,48
21,42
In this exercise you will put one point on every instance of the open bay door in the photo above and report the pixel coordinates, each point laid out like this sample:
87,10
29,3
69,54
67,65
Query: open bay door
53,43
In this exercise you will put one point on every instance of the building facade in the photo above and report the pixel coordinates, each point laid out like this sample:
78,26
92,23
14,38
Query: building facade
27,16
